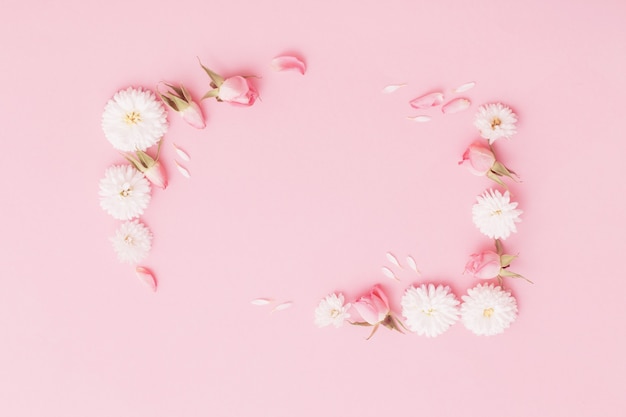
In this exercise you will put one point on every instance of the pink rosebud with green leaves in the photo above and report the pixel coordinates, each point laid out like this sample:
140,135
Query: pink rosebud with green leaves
374,309
484,265
235,90
151,168
481,160
179,99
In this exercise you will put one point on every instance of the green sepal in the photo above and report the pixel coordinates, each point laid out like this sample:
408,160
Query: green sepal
215,77
136,163
373,331
511,274
499,169
505,260
360,323
211,93
145,159
492,175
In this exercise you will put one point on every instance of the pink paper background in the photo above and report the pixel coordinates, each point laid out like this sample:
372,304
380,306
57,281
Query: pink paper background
303,194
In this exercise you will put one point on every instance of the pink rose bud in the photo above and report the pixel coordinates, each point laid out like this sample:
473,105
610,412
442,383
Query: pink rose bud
156,175
478,158
193,115
236,90
373,308
484,265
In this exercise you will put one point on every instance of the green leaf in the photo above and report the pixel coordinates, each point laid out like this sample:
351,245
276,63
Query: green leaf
133,161
186,94
500,169
373,331
360,323
145,159
215,77
505,260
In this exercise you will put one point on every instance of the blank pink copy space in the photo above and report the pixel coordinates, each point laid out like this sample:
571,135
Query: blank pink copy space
302,195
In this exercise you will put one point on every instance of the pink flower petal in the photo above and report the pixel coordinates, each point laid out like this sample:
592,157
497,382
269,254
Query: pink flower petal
193,115
146,277
427,100
288,62
456,105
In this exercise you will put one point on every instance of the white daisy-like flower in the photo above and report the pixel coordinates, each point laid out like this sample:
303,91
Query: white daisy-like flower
124,192
429,310
332,310
495,121
132,242
495,214
488,309
134,120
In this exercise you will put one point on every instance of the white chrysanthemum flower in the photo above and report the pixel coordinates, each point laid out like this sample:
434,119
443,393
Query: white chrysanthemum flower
488,309
429,310
495,215
132,242
124,192
495,121
332,310
134,120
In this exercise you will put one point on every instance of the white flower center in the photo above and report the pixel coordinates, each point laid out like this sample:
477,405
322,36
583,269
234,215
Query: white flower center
132,118
488,312
126,190
495,122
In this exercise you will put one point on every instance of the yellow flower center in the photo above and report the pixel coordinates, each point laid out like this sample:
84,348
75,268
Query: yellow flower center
429,312
132,118
495,123
128,240
126,190
334,313
488,312
496,212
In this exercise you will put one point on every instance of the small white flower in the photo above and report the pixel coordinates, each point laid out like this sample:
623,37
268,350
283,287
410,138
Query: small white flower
429,310
495,215
134,120
495,121
132,242
488,309
332,310
124,192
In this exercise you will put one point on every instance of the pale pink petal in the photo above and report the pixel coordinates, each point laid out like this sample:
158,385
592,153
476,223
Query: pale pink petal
288,62
282,306
392,258
412,264
366,310
193,115
456,105
427,100
420,119
464,87
156,175
182,170
392,87
389,273
183,155
234,89
146,277
261,301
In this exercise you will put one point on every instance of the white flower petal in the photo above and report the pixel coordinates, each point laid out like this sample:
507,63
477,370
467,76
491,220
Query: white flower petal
464,87
132,242
429,310
420,118
124,192
411,262
392,258
261,301
495,215
488,310
392,88
332,310
283,306
183,155
495,121
134,120
389,273
182,170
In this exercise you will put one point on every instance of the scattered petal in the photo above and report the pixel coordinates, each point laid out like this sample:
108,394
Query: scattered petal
182,170
392,87
389,273
464,87
146,277
456,105
283,306
420,119
412,264
261,301
183,155
427,100
392,258
288,62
